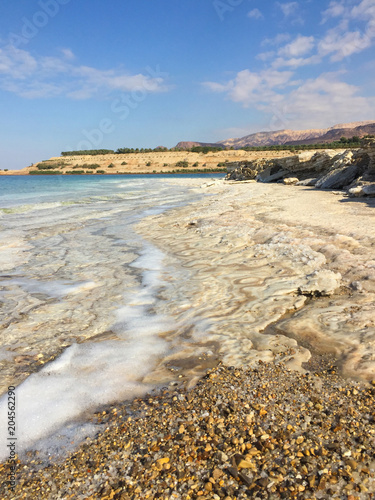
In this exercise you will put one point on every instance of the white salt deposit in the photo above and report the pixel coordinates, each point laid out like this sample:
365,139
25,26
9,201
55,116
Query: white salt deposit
71,282
88,375
52,288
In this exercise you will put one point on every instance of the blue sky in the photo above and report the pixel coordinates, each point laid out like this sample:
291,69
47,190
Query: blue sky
106,74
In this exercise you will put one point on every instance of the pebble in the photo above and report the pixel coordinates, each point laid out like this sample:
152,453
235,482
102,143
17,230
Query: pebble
252,441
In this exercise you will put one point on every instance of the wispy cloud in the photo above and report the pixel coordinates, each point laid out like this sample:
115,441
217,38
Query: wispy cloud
277,40
335,9
32,76
291,54
291,12
289,8
251,88
282,90
344,39
311,103
255,14
298,47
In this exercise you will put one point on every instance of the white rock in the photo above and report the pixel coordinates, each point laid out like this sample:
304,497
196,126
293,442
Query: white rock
322,282
290,180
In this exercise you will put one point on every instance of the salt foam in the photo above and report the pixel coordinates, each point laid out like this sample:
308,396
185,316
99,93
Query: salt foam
88,375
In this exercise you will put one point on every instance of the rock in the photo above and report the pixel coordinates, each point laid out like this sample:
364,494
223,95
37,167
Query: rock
223,457
325,169
368,150
271,174
352,463
321,283
363,190
369,190
217,473
290,180
320,161
243,170
356,286
355,191
307,182
338,178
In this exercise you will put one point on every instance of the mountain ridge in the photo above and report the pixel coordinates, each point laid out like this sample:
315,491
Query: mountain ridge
292,137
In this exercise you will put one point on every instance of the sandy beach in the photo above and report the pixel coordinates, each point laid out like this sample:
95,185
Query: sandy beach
271,396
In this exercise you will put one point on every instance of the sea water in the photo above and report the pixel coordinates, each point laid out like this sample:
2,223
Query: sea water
80,287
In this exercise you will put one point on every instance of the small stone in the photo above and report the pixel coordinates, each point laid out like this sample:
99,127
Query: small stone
162,461
217,473
233,471
250,417
223,457
245,464
352,463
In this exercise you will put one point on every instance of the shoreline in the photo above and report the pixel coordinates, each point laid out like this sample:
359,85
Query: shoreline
220,233
317,243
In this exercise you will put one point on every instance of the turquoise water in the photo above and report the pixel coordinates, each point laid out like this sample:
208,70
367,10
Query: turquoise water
23,190
79,284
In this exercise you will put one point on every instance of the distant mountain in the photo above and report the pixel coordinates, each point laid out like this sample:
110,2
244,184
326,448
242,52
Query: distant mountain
336,134
191,144
293,137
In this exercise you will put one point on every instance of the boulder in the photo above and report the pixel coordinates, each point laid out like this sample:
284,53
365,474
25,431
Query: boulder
369,189
338,178
289,181
321,161
363,190
241,174
307,182
320,283
271,174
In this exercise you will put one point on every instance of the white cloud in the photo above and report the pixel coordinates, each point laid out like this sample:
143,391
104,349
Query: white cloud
290,55
344,40
335,9
315,102
289,8
291,12
16,63
364,10
250,88
340,44
68,54
300,46
326,100
265,56
295,62
277,40
255,14
42,77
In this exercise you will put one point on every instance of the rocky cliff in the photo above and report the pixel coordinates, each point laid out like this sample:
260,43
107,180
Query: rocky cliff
353,171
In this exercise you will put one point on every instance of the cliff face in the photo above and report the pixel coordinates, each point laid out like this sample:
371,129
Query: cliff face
353,171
